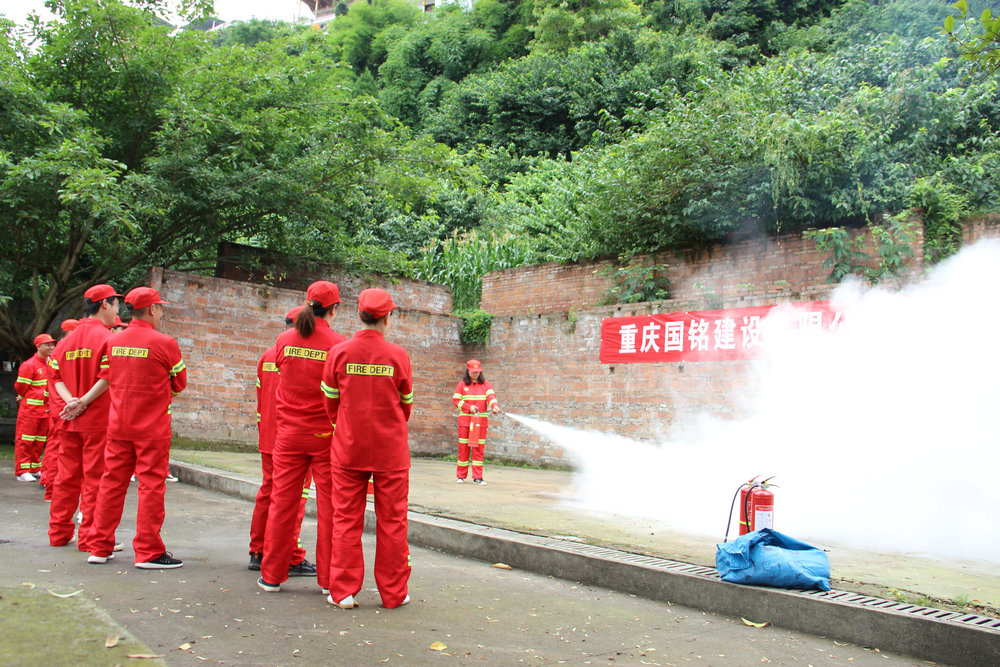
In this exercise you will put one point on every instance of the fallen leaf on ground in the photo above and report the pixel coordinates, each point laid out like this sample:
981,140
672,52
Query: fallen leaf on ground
144,656
752,624
502,566
437,646
183,647
64,595
111,641
29,585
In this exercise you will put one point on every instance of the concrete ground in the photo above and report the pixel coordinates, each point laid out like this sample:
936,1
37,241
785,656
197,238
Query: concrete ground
528,500
58,609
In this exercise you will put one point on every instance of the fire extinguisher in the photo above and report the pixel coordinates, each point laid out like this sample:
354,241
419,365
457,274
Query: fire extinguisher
474,428
756,506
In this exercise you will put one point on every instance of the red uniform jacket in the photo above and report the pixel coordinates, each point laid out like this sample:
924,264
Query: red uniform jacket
300,367
78,362
477,395
145,371
30,386
369,392
267,411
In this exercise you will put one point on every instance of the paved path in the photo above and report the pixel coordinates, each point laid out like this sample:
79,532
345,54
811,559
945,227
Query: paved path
532,501
210,611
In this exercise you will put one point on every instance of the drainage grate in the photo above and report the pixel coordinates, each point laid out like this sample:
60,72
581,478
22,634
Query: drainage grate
975,620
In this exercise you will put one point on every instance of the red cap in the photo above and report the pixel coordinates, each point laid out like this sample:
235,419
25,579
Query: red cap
143,297
293,313
42,339
473,365
68,325
324,293
100,292
375,301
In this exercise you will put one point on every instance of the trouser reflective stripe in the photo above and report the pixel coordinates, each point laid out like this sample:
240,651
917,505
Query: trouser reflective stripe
27,446
474,452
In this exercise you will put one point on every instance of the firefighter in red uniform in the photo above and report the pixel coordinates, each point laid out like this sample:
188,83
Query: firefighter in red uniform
303,437
76,374
473,397
267,384
145,371
32,413
369,392
53,442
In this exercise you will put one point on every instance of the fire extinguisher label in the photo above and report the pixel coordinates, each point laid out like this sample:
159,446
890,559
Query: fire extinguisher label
763,517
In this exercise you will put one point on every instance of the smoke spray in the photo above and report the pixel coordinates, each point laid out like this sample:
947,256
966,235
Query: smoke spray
883,435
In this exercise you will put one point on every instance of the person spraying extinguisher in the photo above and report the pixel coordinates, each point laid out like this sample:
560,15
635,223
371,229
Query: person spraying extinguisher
474,396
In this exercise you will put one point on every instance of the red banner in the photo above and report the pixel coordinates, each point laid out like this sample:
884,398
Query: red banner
707,335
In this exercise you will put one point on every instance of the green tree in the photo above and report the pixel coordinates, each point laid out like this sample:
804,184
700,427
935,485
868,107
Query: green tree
361,38
563,24
978,42
125,145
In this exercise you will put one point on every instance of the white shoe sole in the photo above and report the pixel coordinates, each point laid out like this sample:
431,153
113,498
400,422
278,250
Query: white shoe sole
158,566
346,603
268,587
100,560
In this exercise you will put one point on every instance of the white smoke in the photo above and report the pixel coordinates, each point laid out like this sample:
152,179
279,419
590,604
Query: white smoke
883,435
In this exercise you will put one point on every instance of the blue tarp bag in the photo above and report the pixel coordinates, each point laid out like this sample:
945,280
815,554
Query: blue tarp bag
767,558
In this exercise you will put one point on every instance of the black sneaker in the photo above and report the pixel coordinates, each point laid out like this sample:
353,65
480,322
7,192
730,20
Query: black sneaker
479,481
303,569
255,559
164,561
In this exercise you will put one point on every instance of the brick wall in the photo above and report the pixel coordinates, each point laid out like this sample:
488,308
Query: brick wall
542,356
223,326
761,268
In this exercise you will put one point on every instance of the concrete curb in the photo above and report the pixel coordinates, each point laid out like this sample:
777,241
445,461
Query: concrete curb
922,632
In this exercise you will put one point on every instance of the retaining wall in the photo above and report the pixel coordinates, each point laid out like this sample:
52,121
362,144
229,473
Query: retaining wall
542,355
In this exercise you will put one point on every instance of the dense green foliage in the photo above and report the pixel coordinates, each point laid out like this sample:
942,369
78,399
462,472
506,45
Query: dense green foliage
978,41
124,145
447,145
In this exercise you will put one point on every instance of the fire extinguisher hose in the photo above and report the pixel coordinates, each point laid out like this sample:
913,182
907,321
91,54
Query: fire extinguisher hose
729,521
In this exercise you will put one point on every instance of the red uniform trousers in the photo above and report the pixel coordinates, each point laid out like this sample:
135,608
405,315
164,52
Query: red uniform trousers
293,457
81,465
258,522
392,552
30,441
50,462
149,459
471,452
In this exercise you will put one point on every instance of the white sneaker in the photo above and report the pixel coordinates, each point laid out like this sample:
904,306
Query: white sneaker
133,478
118,546
459,480
406,600
26,477
100,560
346,603
170,478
